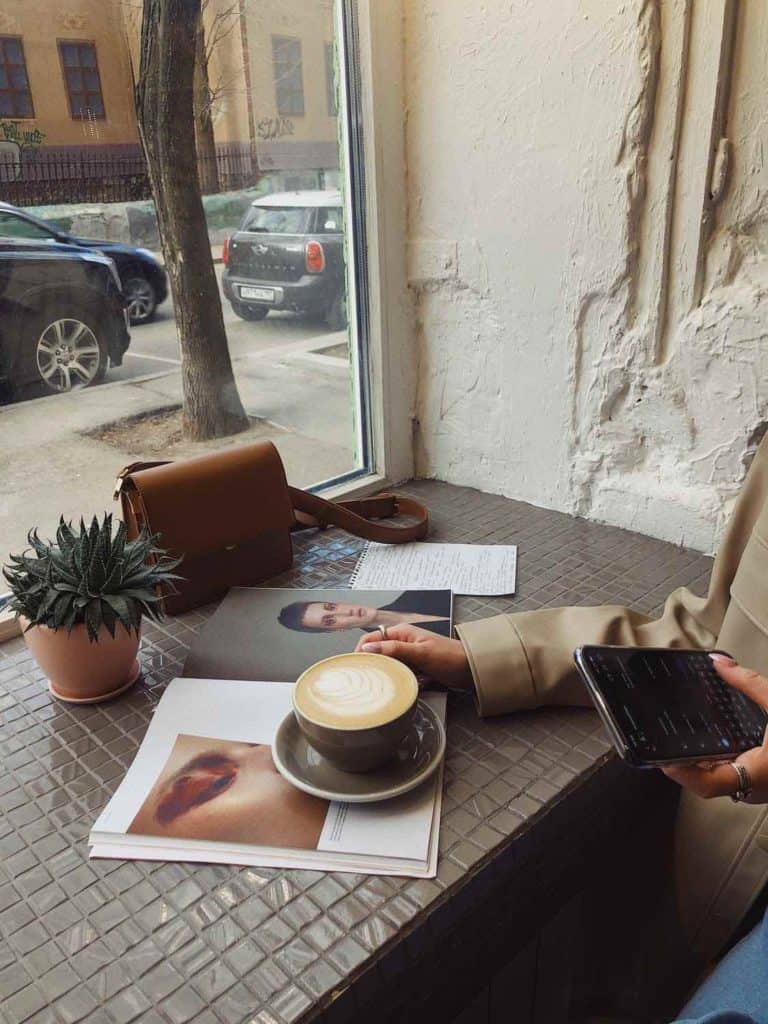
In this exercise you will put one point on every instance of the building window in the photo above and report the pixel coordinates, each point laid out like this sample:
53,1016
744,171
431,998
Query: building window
289,83
81,75
330,81
15,97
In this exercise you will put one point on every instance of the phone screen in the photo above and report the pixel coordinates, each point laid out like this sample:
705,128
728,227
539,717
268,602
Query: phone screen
672,704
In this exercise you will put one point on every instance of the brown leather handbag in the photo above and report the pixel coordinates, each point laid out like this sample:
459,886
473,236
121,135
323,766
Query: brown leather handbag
230,516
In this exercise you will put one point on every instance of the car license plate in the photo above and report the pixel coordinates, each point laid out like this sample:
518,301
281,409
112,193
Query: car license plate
263,294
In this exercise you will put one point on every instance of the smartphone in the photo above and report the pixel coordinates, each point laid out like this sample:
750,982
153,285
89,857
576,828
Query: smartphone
668,706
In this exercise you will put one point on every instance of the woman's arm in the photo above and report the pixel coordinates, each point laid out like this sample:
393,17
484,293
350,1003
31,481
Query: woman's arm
526,660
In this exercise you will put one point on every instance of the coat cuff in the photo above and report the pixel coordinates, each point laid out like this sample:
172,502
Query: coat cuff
499,665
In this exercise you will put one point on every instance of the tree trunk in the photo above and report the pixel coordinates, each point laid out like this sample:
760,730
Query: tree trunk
212,406
206,144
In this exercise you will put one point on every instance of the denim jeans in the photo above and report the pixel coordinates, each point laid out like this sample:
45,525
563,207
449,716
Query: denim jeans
737,990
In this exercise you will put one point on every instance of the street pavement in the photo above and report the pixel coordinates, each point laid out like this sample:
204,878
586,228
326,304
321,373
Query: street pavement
154,347
291,379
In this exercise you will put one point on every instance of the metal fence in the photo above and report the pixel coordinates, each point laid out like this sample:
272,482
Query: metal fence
41,179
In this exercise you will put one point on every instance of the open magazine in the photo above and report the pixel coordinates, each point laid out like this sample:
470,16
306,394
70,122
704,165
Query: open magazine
203,787
268,633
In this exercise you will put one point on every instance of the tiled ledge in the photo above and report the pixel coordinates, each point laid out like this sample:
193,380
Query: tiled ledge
535,807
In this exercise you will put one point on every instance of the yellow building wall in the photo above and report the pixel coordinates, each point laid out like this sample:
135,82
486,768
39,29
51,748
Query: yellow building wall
241,74
299,138
41,25
227,71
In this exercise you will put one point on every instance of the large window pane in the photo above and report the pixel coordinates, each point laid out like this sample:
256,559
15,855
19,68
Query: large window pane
83,84
282,227
15,95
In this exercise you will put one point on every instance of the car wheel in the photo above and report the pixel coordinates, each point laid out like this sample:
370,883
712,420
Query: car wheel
336,317
249,312
140,299
64,351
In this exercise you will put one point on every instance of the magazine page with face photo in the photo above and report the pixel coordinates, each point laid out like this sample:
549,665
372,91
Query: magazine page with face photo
203,787
267,633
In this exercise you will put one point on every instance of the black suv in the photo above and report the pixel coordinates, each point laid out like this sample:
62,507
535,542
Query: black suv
145,283
289,254
62,317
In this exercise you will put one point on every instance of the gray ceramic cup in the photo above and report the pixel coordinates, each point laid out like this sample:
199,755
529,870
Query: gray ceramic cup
355,730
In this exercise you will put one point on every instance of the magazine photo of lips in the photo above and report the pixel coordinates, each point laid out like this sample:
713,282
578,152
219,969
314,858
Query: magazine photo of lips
225,791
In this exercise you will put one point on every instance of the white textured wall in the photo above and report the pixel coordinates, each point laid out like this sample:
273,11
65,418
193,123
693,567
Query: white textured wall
588,258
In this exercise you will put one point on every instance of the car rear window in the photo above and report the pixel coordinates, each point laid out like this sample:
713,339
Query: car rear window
278,220
329,221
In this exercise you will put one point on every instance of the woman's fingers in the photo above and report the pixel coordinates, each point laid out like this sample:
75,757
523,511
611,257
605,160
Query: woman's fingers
745,680
412,654
402,631
704,782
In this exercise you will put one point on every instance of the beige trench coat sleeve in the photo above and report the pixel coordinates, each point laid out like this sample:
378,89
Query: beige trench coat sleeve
525,660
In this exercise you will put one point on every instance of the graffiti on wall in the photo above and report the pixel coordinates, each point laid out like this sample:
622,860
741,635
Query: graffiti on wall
15,144
24,138
270,128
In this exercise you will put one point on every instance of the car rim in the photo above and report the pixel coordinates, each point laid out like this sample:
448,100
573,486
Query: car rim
68,355
141,298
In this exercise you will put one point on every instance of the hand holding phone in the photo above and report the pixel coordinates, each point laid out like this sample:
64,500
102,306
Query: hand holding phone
663,706
718,779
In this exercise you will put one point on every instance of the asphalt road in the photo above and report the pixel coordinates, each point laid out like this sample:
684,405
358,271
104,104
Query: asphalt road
154,347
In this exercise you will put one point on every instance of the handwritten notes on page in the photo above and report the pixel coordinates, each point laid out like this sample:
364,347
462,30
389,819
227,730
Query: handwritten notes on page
485,570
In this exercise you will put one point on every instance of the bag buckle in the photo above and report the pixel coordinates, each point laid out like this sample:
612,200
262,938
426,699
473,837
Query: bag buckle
118,487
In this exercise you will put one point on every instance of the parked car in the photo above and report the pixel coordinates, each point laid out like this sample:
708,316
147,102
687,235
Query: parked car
144,280
289,254
62,317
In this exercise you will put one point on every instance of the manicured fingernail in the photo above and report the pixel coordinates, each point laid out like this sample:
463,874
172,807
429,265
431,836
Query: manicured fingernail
371,648
721,659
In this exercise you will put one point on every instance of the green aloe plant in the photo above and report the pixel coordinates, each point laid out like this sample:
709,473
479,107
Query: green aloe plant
92,575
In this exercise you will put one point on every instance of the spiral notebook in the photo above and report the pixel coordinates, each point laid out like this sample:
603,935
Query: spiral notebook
482,570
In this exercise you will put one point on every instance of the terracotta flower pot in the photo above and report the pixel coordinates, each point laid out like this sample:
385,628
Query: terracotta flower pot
82,672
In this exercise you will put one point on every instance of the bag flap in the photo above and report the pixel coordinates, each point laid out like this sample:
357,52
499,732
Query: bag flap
216,501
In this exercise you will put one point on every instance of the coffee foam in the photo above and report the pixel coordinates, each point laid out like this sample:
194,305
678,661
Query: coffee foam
355,691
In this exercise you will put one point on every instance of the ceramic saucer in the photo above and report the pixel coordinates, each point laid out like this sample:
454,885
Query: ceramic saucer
417,757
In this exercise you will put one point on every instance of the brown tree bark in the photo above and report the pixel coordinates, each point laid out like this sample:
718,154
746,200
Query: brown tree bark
212,406
205,141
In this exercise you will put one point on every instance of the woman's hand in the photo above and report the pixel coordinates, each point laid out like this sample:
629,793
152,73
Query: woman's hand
425,652
722,779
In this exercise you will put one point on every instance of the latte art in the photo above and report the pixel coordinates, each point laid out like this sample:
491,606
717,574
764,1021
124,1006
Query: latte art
352,691
355,691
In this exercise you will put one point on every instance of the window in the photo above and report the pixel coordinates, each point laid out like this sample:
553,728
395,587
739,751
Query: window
279,220
330,81
289,83
306,329
81,75
15,97
12,226
329,221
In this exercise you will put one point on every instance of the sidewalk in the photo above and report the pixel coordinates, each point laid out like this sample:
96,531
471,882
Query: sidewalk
51,463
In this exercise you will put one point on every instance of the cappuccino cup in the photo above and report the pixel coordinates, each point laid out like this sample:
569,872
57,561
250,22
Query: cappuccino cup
355,709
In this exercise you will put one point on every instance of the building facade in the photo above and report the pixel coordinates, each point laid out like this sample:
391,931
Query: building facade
67,72
65,78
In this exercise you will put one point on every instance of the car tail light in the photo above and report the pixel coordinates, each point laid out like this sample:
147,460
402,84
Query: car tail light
225,252
314,258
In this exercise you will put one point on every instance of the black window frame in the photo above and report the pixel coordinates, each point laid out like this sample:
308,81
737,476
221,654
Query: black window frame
90,43
12,91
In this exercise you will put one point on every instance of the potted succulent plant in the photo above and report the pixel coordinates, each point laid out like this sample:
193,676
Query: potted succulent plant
80,601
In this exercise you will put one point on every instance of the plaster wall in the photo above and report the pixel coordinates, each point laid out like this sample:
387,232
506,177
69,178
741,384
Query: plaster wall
588,252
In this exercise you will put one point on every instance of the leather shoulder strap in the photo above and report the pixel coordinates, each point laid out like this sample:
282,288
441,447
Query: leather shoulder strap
126,471
355,516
